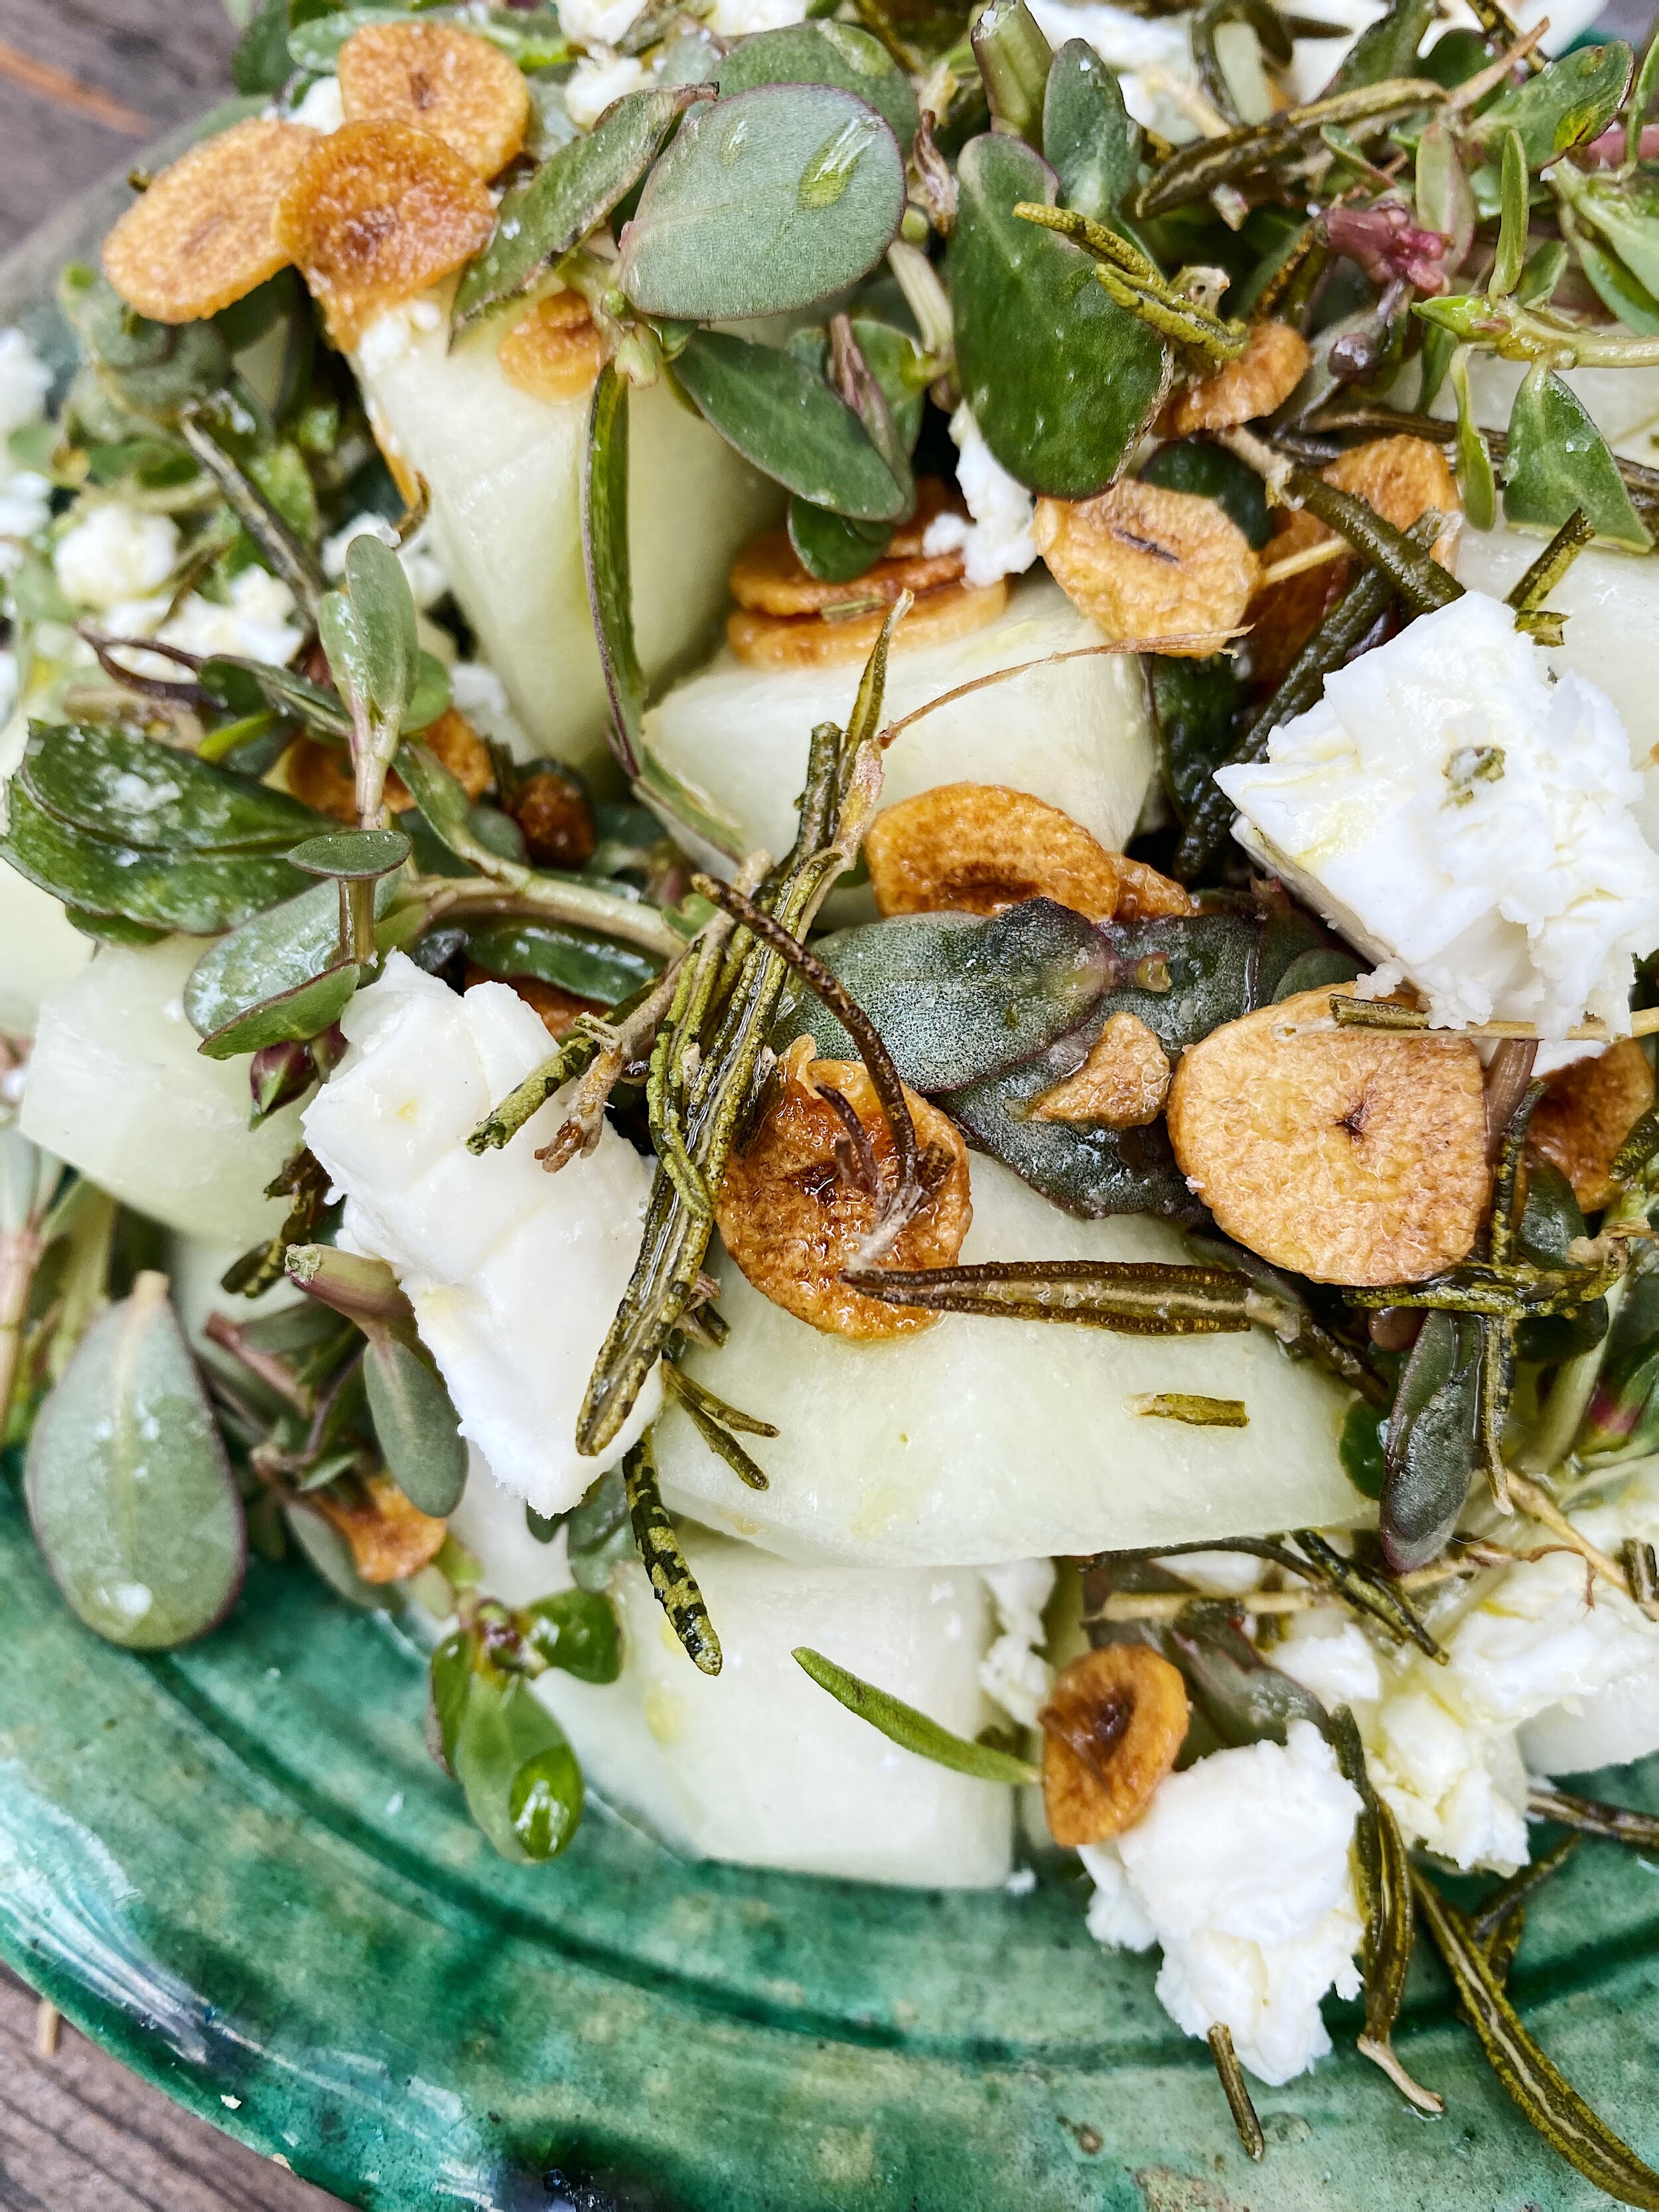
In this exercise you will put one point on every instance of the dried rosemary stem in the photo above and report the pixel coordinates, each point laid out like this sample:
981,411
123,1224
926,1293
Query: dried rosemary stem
1220,2040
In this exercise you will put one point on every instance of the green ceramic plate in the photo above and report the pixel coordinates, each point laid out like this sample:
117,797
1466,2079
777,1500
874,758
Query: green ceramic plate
238,1869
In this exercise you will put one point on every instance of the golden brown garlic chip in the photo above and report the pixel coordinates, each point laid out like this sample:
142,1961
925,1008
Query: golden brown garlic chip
1272,365
1141,561
554,352
1352,1156
796,1205
981,847
204,234
321,775
1123,1085
769,577
1111,1731
1588,1111
441,79
390,1538
375,213
835,638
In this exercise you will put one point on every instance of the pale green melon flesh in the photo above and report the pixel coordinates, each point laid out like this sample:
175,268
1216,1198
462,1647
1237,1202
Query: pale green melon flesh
117,1087
1077,733
504,474
977,1441
43,950
757,1765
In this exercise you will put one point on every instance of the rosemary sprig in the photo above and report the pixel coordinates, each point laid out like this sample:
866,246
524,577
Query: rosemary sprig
1422,583
527,1099
1199,1413
1377,1597
912,1731
289,557
1134,282
672,1580
1528,593
714,1420
1496,1924
1620,1824
1235,2090
1548,2100
1132,1297
1196,170
1375,1014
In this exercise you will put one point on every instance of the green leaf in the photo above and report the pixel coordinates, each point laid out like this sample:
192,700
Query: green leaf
1365,1433
576,1630
1061,380
416,1427
912,1731
448,1680
111,929
1194,465
825,53
1244,1699
261,967
1617,289
1443,199
599,1531
1014,59
383,607
606,559
1088,139
1387,48
441,797
1551,1223
569,196
1547,2100
1640,97
304,1011
955,998
201,895
576,960
523,1786
329,1555
1193,702
226,677
356,855
261,63
830,547
1431,1446
1568,101
1625,212
787,421
1512,220
431,693
1558,460
137,791
765,204
130,1494
1475,472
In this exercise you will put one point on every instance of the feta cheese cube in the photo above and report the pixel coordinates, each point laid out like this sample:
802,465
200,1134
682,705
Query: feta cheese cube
1240,1869
1466,823
514,1274
998,541
113,552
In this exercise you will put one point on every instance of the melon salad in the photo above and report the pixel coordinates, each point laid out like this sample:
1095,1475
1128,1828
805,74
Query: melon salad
832,873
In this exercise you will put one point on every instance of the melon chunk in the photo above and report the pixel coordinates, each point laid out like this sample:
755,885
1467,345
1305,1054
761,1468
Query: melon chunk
978,1441
505,473
1078,734
117,1087
43,950
757,1765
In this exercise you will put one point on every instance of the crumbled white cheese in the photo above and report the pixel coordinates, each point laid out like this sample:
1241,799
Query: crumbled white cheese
1617,1721
323,108
1455,1786
114,552
1240,1869
736,19
391,334
25,380
480,695
598,22
1014,1671
596,81
25,511
998,541
419,558
514,1274
1329,1654
1465,823
1151,56
1218,1574
257,623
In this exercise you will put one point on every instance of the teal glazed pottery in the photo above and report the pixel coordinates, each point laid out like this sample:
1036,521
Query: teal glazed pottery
238,1869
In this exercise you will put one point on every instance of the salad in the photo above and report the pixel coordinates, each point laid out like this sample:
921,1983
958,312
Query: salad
832,892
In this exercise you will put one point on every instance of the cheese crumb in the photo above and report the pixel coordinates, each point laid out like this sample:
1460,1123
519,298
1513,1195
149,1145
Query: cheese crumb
114,552
1240,1869
417,558
998,541
1013,1671
596,81
323,108
514,1274
1465,821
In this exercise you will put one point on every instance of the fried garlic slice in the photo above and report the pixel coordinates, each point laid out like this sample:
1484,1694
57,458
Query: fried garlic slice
374,213
1111,1731
799,1202
440,79
842,634
769,577
1141,561
204,234
554,352
1263,376
1351,1155
980,847
1586,1114
390,1538
1123,1085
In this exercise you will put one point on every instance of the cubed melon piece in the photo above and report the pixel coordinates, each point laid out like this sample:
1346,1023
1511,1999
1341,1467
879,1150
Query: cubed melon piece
117,1087
1077,733
42,951
757,1764
505,473
977,1441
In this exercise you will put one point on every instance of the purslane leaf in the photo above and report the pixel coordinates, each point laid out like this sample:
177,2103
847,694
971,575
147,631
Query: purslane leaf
1558,460
137,791
1570,100
262,964
784,418
416,1424
606,557
825,53
1088,139
765,204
